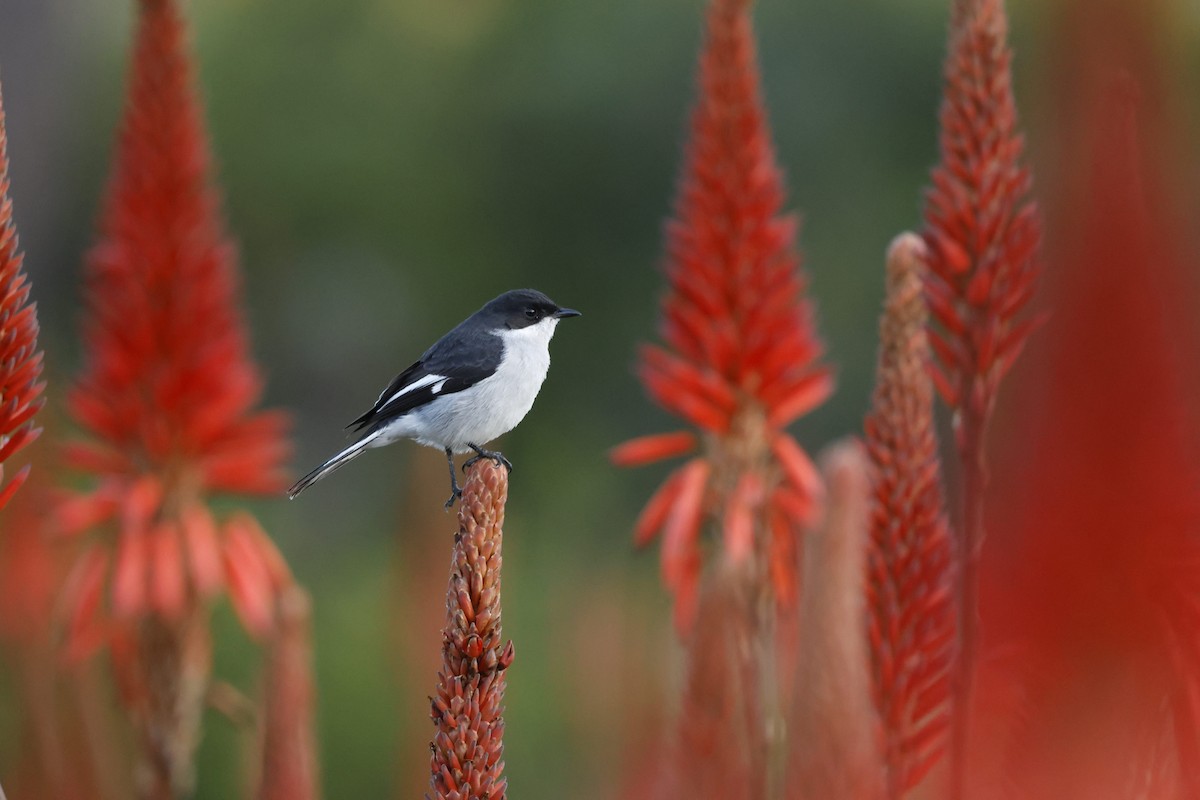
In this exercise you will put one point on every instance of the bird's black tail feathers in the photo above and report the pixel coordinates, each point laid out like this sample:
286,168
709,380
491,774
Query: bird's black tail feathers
346,456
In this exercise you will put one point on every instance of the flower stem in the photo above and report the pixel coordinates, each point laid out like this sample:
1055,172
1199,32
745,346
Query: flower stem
164,676
974,480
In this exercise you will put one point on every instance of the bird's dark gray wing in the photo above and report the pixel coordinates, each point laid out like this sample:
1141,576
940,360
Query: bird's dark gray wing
457,361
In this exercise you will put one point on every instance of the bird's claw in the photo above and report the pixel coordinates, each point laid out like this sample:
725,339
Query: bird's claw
494,455
455,494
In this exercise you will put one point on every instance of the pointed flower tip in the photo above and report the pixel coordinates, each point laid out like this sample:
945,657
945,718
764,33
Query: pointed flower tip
130,575
844,465
10,489
648,449
798,467
906,254
740,515
254,572
654,515
806,397
82,599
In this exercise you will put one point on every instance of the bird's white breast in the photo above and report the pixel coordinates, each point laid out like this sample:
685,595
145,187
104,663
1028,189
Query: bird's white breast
496,404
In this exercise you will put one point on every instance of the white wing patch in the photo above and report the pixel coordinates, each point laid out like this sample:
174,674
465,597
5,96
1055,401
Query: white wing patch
437,387
417,384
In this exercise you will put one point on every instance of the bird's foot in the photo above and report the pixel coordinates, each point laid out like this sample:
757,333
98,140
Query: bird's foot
494,455
455,494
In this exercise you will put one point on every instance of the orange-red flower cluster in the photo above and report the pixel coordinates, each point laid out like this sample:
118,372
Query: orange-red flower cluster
983,234
467,751
168,390
909,580
20,360
739,360
982,230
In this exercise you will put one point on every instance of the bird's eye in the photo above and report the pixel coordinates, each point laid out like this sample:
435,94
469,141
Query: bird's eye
531,313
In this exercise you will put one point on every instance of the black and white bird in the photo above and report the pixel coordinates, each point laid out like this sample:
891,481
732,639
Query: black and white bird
476,383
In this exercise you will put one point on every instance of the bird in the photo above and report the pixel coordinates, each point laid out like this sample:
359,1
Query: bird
473,385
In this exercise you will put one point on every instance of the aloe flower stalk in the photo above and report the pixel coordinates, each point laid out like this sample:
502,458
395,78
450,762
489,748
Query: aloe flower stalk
719,747
833,747
982,234
167,399
469,745
21,386
739,359
289,748
739,362
909,559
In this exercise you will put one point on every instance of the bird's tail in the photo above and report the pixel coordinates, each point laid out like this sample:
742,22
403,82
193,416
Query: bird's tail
349,454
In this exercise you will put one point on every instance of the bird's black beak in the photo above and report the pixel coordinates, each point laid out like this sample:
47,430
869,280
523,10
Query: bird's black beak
566,312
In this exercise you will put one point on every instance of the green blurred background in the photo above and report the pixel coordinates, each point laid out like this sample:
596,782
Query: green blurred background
388,166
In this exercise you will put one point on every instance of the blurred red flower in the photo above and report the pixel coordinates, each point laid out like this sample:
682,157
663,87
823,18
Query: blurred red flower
20,359
1092,582
982,230
167,395
910,607
168,388
983,234
740,353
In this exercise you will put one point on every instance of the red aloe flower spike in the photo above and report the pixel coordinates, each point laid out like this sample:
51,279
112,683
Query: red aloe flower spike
740,354
982,234
833,747
469,744
168,388
20,360
289,748
982,231
167,396
169,385
910,615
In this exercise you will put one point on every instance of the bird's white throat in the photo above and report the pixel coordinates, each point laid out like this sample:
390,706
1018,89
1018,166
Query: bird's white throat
536,336
526,360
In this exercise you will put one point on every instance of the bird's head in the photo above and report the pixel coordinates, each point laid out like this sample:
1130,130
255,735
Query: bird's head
522,308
